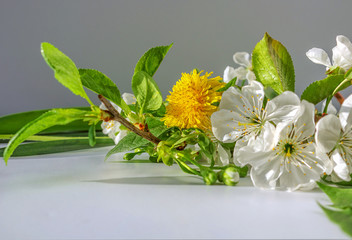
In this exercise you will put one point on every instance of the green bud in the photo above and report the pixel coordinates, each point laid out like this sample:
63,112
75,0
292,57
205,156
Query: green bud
129,156
231,176
209,176
164,153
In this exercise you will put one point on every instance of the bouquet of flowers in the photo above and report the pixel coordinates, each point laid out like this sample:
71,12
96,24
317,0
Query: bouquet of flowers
220,129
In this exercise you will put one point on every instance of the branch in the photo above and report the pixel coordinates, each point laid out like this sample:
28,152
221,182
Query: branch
339,97
117,117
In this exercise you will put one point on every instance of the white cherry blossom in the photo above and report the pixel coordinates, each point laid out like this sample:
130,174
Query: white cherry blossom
112,128
242,113
334,136
244,72
341,55
285,157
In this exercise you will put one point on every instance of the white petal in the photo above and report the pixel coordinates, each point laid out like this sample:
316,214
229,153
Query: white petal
232,99
345,46
224,155
120,135
284,107
254,90
345,113
129,98
242,58
305,121
340,168
327,134
241,73
223,123
339,59
229,74
319,56
331,109
266,176
250,76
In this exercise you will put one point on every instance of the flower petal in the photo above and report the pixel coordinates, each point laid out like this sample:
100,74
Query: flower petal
224,155
129,98
284,107
340,166
241,73
319,56
345,47
345,113
327,134
229,74
339,59
305,121
242,58
232,99
266,176
224,124
250,76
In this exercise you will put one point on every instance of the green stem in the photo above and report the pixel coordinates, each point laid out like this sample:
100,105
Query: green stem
47,138
328,100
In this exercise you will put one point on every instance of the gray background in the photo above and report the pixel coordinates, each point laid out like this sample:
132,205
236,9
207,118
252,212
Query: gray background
110,36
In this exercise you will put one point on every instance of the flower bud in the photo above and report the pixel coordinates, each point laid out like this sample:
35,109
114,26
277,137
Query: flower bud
230,176
209,176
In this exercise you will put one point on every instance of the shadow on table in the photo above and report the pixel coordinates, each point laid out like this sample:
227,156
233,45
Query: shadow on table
159,180
164,180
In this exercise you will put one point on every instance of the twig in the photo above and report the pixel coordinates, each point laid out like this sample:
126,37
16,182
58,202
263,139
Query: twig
117,117
339,97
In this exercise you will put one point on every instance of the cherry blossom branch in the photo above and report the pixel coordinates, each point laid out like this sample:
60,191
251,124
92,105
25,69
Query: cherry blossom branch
117,117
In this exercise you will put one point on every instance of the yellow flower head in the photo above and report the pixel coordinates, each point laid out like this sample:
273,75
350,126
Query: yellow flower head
191,101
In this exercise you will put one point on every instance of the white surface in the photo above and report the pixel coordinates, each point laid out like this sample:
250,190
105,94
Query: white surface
79,196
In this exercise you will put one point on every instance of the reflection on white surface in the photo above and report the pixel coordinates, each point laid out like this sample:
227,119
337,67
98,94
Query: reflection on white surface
78,195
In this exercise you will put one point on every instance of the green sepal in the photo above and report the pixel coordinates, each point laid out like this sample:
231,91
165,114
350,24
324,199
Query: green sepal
272,65
232,83
64,68
152,59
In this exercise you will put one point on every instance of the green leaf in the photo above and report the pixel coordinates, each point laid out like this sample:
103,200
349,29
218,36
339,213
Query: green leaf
56,146
319,90
64,68
232,83
343,218
152,59
273,66
92,136
101,84
146,91
270,93
46,120
340,197
11,124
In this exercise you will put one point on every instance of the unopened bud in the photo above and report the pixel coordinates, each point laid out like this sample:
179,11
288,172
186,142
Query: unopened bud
231,176
209,176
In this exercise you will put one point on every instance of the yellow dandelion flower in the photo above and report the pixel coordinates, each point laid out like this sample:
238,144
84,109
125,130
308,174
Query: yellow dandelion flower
191,101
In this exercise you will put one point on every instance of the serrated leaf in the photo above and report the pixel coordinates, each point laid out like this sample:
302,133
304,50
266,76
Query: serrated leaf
320,90
343,218
272,65
10,124
57,146
101,84
46,120
64,68
152,59
147,92
340,197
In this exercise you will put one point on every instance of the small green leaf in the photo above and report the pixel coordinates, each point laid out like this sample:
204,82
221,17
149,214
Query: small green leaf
340,197
343,218
232,83
146,91
272,65
56,146
319,90
46,120
152,59
101,84
92,136
64,68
